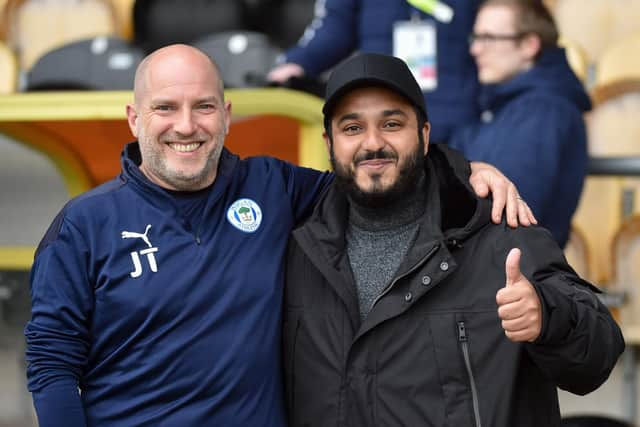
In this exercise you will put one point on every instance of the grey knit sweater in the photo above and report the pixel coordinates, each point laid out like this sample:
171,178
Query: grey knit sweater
378,239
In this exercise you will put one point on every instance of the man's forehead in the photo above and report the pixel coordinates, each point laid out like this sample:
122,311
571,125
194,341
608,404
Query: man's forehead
496,18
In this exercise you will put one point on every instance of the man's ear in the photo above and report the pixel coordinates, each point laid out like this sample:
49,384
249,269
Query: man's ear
227,117
327,142
426,130
132,119
531,46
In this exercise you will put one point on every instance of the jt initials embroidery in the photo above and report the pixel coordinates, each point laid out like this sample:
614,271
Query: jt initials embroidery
135,256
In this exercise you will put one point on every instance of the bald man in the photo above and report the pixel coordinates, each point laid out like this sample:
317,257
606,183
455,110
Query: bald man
156,297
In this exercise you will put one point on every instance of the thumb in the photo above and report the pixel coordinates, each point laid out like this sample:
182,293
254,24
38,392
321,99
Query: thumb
512,266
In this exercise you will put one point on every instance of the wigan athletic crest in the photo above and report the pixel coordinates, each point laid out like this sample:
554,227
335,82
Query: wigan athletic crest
245,215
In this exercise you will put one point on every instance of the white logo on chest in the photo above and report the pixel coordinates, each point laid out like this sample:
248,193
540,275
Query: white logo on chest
135,256
245,215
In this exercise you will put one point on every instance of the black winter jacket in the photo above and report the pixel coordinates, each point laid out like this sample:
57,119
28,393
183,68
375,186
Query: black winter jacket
432,351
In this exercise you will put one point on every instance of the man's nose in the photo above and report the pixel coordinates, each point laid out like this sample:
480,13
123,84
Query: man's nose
474,47
185,124
373,140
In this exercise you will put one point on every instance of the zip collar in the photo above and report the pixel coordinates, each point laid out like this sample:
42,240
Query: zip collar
131,174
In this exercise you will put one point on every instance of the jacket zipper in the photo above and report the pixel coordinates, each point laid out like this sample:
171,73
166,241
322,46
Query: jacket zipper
462,337
414,268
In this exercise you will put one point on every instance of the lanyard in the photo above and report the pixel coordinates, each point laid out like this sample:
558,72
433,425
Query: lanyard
436,8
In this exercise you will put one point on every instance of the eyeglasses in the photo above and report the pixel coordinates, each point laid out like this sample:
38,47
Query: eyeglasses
492,38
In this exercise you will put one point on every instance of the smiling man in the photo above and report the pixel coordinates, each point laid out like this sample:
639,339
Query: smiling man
405,305
157,296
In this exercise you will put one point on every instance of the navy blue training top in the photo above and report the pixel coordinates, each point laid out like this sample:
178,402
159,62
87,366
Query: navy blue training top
138,319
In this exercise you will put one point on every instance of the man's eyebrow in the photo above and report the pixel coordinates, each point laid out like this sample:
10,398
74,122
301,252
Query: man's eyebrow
212,99
162,101
350,116
387,113
168,101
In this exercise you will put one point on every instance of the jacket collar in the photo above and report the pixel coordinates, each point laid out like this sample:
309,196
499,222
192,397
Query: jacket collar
131,159
453,210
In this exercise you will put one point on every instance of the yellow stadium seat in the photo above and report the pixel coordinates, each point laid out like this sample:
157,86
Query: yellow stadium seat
8,70
614,126
626,267
596,24
3,20
587,23
613,129
618,69
124,17
37,26
578,253
625,18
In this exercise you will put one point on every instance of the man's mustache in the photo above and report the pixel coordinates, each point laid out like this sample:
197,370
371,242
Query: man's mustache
372,155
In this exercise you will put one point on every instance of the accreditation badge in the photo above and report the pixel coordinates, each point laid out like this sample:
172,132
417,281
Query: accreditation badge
415,42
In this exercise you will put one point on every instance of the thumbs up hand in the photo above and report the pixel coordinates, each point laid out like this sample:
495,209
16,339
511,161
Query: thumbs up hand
519,307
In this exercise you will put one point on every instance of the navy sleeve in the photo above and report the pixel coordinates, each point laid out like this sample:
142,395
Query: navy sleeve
304,187
57,335
580,342
330,37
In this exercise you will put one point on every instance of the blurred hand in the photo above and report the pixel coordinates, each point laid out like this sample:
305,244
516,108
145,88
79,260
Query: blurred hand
284,72
518,303
486,179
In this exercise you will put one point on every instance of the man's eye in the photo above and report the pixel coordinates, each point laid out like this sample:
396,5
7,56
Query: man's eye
352,128
162,108
392,125
207,107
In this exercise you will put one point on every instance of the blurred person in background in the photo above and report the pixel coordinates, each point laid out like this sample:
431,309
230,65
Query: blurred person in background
431,36
531,123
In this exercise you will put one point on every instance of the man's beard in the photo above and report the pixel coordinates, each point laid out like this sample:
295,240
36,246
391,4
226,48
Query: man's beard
157,163
405,183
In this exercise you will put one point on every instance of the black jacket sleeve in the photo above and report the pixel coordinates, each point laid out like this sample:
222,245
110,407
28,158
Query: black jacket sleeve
580,341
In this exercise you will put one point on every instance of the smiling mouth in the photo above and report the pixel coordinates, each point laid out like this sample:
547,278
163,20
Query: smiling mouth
374,162
185,148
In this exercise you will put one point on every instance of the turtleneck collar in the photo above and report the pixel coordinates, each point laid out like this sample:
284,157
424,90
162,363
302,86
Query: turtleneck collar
403,211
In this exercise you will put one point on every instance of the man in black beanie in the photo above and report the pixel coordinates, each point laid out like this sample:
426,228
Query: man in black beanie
405,305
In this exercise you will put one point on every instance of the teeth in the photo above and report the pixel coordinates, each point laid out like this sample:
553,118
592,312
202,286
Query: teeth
185,148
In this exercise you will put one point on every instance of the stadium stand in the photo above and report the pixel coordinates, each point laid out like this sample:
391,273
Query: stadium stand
244,57
158,23
124,18
100,63
588,23
626,269
578,253
37,26
8,70
283,21
618,69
